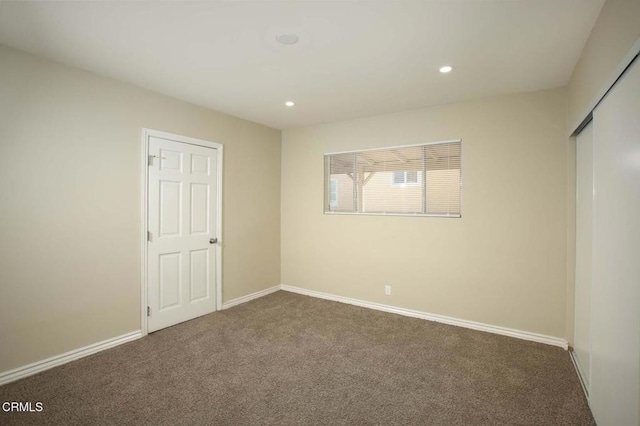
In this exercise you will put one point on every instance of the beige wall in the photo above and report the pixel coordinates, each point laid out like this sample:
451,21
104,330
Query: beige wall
503,263
70,167
615,32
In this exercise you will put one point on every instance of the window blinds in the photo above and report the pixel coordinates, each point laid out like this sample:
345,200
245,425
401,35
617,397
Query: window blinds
421,180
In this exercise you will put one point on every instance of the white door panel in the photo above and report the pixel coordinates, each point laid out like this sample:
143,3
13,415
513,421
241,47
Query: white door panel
199,276
200,208
169,280
170,208
182,207
615,294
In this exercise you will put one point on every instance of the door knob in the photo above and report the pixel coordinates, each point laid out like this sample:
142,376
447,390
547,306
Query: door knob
213,240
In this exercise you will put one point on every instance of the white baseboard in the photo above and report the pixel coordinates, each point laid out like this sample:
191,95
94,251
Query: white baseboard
519,334
250,297
37,367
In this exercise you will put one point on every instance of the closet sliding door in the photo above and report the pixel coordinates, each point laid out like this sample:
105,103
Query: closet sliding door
615,293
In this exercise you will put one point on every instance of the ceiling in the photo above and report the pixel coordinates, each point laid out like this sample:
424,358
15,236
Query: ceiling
353,59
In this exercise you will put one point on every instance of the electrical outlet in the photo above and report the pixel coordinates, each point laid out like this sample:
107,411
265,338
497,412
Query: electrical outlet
387,290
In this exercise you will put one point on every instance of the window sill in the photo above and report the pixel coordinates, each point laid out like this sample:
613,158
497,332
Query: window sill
451,216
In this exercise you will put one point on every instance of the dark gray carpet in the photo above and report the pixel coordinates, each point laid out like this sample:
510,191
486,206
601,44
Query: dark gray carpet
291,359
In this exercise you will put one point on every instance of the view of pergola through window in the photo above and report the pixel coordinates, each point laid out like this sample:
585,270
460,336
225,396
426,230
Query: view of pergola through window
413,180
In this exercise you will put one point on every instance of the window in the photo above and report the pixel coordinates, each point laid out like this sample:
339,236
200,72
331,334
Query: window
416,180
407,178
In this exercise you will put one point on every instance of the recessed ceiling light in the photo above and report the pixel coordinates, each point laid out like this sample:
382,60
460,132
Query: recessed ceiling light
289,103
446,69
287,38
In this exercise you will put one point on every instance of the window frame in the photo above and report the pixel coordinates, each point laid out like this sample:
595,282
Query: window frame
327,155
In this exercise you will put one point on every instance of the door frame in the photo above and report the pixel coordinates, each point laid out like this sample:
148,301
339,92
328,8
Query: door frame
146,134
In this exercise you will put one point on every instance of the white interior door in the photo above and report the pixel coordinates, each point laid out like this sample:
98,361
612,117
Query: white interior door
584,207
615,294
181,252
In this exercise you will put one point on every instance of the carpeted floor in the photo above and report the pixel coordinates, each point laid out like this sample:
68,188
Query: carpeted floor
291,359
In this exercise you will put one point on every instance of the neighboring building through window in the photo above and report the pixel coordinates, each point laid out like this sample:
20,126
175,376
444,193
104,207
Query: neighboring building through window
407,178
333,195
417,180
